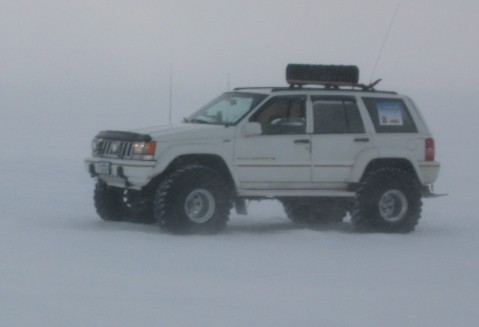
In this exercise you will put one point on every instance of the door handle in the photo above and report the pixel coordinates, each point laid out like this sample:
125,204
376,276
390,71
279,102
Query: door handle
303,141
362,139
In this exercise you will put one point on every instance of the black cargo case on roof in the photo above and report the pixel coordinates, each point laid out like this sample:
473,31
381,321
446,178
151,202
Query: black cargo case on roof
300,74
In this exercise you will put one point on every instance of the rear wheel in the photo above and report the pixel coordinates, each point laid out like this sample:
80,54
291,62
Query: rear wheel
193,200
388,200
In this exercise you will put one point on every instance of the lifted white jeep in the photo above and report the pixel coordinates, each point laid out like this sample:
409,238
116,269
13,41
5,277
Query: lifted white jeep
322,151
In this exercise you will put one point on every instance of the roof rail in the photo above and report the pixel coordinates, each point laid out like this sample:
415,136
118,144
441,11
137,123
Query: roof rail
333,85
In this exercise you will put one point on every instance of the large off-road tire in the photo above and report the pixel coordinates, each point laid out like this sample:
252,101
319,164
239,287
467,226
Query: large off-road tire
194,199
313,211
117,204
108,202
387,200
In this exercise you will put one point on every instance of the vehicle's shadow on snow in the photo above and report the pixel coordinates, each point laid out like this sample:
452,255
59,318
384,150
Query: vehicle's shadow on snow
269,227
272,225
261,228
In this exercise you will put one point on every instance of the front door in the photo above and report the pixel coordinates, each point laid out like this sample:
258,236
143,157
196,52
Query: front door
279,158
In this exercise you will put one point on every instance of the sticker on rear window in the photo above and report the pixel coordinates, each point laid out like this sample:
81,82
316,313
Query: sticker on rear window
390,114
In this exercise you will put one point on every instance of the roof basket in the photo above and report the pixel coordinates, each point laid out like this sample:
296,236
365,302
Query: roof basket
330,76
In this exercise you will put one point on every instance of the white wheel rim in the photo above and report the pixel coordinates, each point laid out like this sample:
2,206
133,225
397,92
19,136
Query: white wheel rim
393,206
200,206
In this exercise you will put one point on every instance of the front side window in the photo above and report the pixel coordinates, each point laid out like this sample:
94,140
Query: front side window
336,116
227,109
282,115
390,115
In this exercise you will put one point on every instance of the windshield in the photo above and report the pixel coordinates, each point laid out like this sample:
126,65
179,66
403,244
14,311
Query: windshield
227,109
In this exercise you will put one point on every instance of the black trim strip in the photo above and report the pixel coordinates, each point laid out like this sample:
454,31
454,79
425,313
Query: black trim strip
123,136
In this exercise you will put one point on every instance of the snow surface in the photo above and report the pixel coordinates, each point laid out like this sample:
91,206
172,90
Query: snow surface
62,266
71,68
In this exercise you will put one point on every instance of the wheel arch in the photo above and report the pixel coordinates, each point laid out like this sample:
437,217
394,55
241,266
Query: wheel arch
212,161
399,163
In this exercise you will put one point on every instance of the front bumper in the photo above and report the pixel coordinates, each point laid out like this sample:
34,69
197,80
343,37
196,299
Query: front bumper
122,173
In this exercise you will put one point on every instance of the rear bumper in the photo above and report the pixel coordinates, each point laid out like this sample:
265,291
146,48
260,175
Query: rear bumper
123,173
429,171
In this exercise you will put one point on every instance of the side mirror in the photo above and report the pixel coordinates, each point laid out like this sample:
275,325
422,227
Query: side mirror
252,129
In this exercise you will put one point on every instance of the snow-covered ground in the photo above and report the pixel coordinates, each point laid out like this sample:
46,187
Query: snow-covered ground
71,68
61,266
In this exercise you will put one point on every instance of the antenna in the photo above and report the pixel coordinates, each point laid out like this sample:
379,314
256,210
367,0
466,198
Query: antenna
384,41
171,92
228,82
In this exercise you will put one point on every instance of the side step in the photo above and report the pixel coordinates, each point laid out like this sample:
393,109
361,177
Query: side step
428,193
298,193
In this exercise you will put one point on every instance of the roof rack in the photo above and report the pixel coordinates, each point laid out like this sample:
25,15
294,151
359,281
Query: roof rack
333,85
327,87
329,76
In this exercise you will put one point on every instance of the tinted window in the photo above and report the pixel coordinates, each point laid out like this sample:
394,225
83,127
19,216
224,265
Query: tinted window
282,115
336,116
390,115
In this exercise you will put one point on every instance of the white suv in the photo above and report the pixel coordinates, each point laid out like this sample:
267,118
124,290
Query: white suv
322,151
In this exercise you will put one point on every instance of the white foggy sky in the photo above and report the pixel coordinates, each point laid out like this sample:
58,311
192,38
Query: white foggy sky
115,55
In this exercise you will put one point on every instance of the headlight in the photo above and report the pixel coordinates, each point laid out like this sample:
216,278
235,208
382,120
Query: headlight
143,150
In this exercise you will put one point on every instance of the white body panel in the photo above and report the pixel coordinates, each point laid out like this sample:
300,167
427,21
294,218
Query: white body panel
334,156
272,161
306,164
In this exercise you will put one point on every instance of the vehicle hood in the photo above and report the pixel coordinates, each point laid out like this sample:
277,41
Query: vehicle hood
187,131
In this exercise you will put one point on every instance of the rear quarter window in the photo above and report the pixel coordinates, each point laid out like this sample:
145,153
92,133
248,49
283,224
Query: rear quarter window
390,115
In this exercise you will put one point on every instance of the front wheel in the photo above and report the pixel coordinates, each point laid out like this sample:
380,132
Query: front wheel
388,200
109,202
193,199
117,204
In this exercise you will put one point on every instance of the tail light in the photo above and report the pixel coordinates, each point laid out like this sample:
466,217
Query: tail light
430,150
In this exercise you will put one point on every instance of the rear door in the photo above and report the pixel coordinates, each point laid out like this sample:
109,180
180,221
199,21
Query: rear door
338,139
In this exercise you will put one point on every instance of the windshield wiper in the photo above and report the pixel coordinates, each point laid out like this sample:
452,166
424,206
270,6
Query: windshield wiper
202,121
198,121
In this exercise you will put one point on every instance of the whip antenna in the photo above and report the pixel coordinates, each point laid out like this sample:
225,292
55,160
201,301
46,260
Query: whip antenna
171,92
384,41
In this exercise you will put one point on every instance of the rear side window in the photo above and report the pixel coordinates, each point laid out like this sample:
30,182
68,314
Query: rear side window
336,116
390,115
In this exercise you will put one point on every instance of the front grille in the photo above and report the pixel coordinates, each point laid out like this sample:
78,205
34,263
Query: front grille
113,149
118,144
